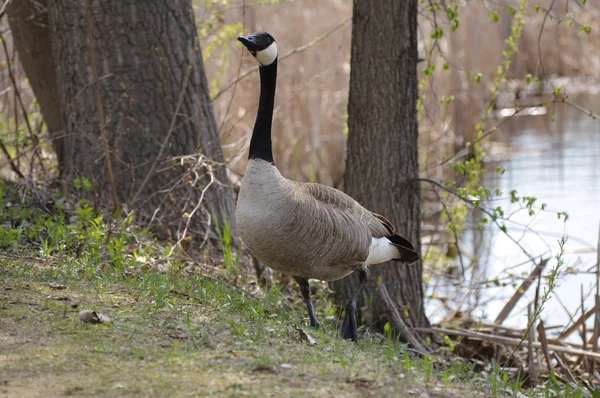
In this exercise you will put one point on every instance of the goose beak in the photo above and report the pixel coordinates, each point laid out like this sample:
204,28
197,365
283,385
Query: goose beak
248,42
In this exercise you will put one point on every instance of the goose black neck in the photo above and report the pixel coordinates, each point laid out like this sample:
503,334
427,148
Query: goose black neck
260,144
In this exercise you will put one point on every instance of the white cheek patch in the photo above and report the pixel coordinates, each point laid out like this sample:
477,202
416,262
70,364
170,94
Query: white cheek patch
268,55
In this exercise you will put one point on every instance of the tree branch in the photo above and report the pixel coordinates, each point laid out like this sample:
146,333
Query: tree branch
287,55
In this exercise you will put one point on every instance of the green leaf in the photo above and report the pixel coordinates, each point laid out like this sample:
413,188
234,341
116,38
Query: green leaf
437,34
478,78
586,29
494,16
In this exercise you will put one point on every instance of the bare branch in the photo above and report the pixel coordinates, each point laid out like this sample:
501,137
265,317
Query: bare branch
287,55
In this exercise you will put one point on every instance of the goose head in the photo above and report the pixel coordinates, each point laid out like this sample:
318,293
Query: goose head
262,46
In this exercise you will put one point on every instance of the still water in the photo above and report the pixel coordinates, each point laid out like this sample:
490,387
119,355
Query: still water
559,164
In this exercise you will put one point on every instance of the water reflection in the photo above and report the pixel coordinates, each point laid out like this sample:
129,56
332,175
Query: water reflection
558,163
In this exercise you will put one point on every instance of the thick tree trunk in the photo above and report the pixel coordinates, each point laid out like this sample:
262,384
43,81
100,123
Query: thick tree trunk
156,107
382,166
28,20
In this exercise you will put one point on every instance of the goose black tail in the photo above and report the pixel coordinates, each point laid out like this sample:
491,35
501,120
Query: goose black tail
408,253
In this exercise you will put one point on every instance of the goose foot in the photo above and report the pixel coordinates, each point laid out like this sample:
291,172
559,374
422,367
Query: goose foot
305,290
349,329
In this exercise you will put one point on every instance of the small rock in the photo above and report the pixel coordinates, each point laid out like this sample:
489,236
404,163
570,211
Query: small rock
90,316
306,336
286,366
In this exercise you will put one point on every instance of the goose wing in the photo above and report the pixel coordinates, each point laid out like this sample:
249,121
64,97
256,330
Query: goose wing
345,212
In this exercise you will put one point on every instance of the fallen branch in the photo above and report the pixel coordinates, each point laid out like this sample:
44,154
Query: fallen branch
542,334
577,324
399,323
508,340
510,305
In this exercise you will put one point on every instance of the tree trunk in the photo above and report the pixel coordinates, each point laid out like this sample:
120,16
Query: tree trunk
156,107
28,20
382,166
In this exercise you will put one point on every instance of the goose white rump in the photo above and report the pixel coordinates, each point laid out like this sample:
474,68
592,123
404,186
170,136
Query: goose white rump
380,251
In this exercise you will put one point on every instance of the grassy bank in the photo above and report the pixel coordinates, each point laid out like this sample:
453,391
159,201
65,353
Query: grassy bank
175,335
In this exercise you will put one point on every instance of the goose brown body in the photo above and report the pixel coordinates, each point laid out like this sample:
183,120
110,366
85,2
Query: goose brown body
304,230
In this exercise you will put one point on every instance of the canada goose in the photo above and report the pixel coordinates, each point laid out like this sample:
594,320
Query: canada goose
306,230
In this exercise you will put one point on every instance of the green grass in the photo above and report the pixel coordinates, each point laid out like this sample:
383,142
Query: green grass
178,329
176,335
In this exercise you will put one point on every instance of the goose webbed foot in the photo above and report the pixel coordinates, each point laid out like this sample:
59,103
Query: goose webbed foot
305,290
349,329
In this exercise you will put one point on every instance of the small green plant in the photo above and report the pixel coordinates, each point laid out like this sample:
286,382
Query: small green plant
226,242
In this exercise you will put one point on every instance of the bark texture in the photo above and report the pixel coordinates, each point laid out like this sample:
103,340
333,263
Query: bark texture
28,20
155,101
382,163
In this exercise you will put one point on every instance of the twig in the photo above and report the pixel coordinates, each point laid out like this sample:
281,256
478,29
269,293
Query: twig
195,209
455,233
286,55
237,73
34,138
399,323
583,329
533,374
597,317
584,317
508,340
3,8
565,369
473,203
542,334
13,166
510,305
99,106
580,108
539,40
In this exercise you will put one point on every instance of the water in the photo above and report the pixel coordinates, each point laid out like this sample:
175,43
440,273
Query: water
558,163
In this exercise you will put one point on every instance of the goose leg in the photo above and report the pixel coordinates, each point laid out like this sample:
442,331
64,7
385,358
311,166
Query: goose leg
305,289
349,328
